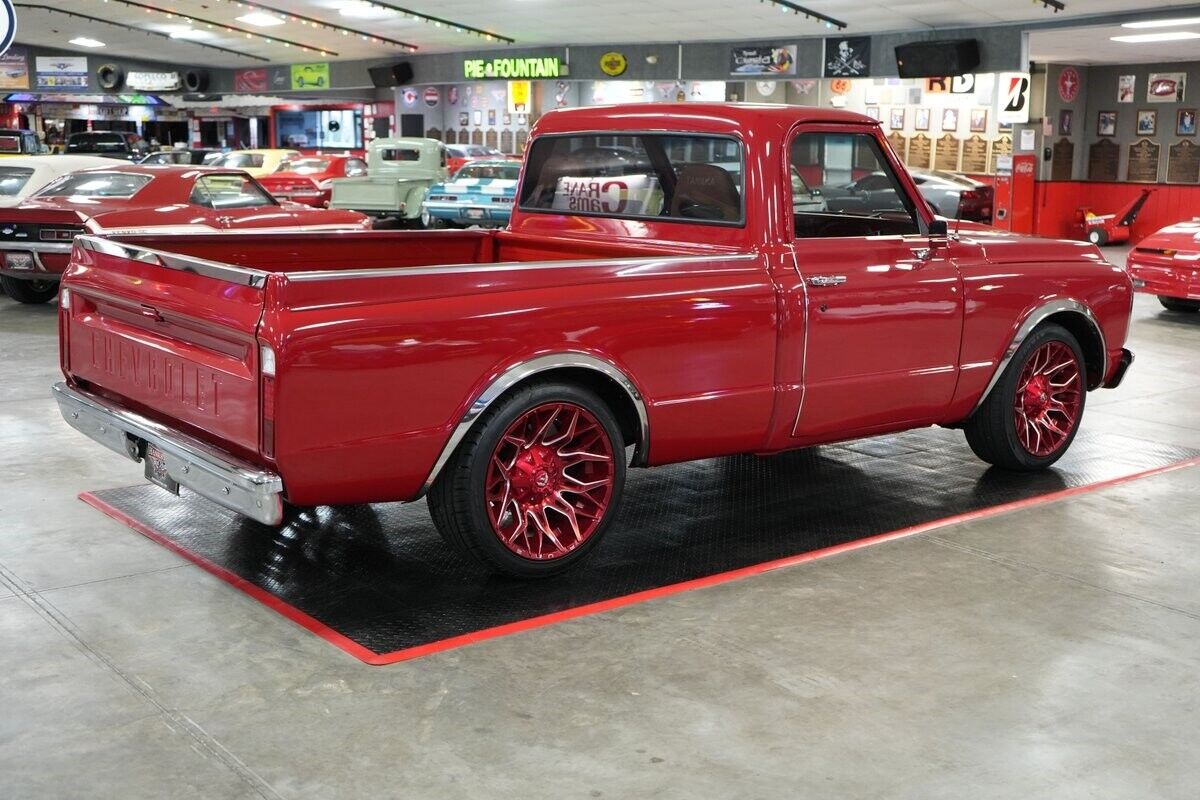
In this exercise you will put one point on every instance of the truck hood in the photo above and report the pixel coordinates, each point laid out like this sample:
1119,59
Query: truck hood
1006,247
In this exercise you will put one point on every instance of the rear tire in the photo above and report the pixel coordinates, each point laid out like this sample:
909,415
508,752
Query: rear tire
533,487
1179,304
1033,412
30,292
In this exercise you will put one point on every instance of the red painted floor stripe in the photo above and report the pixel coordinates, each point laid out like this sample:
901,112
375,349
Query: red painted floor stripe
379,659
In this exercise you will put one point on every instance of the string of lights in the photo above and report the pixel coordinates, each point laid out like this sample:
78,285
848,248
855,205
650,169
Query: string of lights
438,22
123,26
316,24
787,5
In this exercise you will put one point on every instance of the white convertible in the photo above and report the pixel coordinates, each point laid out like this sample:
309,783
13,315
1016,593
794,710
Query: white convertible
22,176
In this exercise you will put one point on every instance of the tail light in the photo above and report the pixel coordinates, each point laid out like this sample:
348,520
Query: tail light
266,368
969,194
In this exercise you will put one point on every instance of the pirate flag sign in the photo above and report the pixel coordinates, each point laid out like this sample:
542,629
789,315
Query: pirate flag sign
848,57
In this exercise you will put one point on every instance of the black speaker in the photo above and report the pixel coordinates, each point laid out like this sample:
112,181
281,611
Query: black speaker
937,59
398,74
195,80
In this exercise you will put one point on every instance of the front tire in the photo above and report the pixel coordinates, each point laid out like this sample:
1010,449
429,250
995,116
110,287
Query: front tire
1033,412
1179,304
533,487
30,292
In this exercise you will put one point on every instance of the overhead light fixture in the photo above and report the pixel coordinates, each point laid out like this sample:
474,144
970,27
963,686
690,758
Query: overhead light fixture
260,20
185,32
356,9
1166,36
1162,23
84,41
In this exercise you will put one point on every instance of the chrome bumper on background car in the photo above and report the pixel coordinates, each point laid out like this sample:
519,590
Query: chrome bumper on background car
240,487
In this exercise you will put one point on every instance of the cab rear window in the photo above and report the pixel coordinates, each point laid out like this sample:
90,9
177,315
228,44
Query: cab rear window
96,184
674,177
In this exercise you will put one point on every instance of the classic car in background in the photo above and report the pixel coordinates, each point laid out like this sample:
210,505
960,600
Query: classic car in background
36,237
309,179
459,154
22,176
109,144
256,162
950,195
20,142
1167,264
480,193
399,174
182,155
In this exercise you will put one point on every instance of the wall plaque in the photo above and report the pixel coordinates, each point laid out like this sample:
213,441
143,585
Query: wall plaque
1103,157
1002,146
948,150
975,155
899,143
506,141
1183,162
919,148
1062,162
1143,162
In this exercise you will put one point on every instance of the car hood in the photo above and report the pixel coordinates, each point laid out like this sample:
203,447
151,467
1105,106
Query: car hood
1180,236
1006,247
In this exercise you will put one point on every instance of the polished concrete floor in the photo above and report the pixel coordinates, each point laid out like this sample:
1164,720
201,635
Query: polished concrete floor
1048,652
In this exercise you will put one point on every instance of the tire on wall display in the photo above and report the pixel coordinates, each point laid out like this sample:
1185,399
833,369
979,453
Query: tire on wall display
110,77
195,80
533,487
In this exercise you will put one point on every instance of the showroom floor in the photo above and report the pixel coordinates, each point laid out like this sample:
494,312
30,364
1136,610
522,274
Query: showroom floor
1049,651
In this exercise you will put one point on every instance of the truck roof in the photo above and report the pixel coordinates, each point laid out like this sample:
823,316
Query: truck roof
702,117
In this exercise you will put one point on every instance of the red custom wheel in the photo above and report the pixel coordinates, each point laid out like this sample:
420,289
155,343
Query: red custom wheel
531,489
1048,398
550,481
1032,414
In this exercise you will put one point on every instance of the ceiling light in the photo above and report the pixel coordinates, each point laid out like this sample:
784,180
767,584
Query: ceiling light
1162,23
83,41
1170,36
260,19
184,32
358,9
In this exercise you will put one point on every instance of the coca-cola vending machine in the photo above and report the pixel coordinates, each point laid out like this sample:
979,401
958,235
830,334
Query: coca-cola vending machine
1013,202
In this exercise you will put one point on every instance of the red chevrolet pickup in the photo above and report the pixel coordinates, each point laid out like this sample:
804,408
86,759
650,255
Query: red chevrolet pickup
677,282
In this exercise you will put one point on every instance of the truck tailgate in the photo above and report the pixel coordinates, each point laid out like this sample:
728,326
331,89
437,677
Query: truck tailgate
367,194
170,337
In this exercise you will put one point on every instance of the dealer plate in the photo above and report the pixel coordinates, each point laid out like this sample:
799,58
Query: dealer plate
473,213
156,469
18,260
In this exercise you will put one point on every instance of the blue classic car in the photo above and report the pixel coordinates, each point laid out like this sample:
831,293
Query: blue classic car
480,193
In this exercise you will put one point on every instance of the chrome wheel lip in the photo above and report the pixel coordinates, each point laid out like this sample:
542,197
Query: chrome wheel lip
1048,399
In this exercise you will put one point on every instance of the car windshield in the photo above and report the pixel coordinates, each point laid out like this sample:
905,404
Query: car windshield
507,172
237,160
13,179
305,166
96,184
952,177
97,143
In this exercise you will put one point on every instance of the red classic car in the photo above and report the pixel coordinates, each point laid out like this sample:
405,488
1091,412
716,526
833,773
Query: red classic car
656,299
36,236
1167,264
309,180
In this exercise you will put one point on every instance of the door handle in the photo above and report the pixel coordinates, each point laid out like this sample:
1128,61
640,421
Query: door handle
151,312
826,280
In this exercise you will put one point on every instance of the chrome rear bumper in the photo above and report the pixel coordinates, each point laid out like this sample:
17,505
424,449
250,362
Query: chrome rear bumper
208,472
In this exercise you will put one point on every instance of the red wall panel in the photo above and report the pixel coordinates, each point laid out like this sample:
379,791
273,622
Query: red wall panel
1055,204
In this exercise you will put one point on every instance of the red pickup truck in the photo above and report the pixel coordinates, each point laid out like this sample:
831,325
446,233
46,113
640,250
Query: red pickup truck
662,294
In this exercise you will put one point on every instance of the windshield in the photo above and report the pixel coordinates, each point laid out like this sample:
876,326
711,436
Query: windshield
13,179
96,184
237,160
305,166
97,143
505,172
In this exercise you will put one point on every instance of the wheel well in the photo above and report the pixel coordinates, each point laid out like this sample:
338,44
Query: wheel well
612,393
1089,339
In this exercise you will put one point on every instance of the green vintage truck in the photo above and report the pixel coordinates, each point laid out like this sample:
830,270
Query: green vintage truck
399,173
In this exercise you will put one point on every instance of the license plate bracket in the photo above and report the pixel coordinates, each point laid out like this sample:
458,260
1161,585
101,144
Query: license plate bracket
473,213
156,469
21,261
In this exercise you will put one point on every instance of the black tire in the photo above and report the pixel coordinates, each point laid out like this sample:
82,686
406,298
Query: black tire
1179,304
1098,237
457,498
992,430
31,292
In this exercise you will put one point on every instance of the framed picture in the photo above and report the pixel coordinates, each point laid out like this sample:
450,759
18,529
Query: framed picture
464,119
1185,122
1125,88
522,120
477,116
491,117
950,119
1106,123
979,120
1147,122
1066,121
873,112
921,119
896,120
507,118
1165,87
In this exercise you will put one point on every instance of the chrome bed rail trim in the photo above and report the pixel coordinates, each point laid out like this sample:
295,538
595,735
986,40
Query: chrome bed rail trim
244,276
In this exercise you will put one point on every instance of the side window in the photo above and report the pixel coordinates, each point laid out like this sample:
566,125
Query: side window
199,195
444,155
223,192
852,190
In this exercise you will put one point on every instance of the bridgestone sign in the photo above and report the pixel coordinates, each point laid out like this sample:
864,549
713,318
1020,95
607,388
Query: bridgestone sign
478,68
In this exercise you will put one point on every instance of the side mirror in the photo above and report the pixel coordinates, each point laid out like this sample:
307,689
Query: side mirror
939,229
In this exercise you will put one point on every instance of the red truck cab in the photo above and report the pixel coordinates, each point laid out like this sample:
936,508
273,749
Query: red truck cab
661,292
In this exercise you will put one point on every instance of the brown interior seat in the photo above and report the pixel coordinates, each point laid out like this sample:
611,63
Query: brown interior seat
705,191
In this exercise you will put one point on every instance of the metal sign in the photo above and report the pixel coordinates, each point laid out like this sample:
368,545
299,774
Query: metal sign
8,25
538,67
153,81
1014,98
